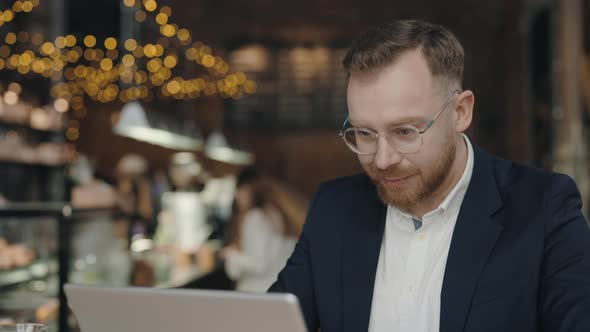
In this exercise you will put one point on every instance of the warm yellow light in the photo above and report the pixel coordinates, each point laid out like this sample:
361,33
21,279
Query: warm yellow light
4,51
113,54
154,65
241,77
22,69
110,43
91,89
200,84
208,61
138,52
130,45
129,3
72,134
165,73
23,36
13,61
250,87
204,50
98,54
60,42
81,71
210,89
17,6
47,48
166,10
70,41
10,38
35,2
37,66
70,74
128,60
89,54
47,63
56,54
170,61
144,92
11,98
25,59
168,30
37,39
72,56
140,16
173,87
162,18
184,35
150,5
2,64
90,41
140,77
159,50
8,15
27,6
61,105
106,64
149,50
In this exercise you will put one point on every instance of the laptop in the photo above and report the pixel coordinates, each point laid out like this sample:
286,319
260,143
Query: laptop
136,309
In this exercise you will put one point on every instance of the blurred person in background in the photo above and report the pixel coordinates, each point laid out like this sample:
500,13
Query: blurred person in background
262,234
134,218
134,201
182,224
438,235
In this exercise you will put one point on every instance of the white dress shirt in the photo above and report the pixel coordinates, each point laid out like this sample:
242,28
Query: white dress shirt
408,282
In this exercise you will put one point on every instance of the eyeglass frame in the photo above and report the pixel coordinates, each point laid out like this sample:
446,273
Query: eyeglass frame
377,134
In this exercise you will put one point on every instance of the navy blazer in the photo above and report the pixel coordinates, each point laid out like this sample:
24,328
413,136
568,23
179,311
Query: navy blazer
519,258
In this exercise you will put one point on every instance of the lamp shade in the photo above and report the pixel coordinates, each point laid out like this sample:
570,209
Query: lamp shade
134,123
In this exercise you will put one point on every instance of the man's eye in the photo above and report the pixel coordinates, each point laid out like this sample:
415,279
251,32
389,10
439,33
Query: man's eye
404,131
363,133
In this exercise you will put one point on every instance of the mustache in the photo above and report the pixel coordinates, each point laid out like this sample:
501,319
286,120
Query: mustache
392,172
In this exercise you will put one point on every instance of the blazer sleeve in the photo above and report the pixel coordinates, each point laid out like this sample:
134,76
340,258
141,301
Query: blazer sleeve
565,279
297,276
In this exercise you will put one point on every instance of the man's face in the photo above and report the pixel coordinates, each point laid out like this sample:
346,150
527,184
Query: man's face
399,94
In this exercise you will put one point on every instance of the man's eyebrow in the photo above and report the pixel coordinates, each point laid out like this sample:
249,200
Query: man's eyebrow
402,121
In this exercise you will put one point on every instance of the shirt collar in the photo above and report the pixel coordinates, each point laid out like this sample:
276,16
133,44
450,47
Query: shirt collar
455,197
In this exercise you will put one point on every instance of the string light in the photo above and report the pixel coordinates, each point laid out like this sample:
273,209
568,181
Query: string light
98,80
90,41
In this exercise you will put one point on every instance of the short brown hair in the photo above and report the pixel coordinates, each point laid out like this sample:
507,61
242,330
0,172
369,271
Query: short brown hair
383,44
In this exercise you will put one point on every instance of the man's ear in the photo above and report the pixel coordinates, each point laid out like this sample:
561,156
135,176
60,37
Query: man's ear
464,110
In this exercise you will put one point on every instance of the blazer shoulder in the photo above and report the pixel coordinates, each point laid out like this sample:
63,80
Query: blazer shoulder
535,180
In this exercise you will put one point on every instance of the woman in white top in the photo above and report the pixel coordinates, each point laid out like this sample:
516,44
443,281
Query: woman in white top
263,237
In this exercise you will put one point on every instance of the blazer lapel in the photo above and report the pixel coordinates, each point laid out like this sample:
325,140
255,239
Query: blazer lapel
360,256
473,239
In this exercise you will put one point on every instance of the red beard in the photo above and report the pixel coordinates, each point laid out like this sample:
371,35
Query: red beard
427,183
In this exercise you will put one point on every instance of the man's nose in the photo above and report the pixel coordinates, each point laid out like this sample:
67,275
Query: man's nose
386,155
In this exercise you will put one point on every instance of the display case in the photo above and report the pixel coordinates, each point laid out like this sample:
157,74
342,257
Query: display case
34,251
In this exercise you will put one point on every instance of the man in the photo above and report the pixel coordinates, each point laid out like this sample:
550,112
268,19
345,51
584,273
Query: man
438,235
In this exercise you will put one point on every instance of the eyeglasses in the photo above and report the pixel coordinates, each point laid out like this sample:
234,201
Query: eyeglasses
405,139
